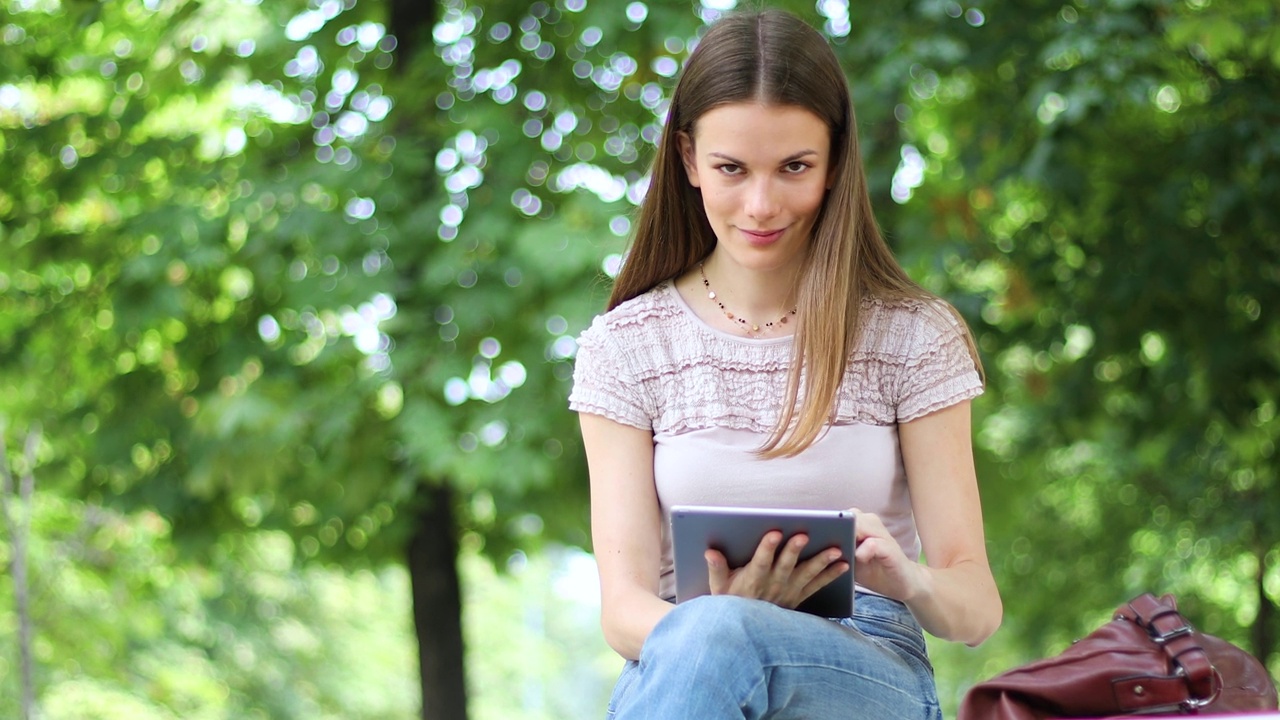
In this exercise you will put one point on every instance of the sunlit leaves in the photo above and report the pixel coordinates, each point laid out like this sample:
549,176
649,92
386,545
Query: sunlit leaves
261,269
1117,287
126,628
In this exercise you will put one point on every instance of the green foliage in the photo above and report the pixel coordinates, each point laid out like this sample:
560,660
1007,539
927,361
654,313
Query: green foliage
126,628
265,327
267,270
535,633
1114,214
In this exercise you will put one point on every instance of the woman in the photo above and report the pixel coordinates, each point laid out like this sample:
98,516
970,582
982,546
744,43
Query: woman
762,347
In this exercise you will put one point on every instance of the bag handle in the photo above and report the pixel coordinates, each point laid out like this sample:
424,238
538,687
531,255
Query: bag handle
1171,631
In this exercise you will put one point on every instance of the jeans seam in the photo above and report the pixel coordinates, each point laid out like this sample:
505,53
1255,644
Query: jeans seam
914,629
843,671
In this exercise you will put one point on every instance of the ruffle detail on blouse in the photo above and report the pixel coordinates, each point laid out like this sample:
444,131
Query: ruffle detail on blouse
652,364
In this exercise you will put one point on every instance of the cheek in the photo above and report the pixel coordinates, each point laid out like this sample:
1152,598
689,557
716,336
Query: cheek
717,201
809,201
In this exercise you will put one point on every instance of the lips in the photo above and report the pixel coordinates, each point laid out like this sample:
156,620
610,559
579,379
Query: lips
762,237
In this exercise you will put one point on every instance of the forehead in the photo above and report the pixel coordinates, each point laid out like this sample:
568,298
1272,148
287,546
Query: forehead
760,130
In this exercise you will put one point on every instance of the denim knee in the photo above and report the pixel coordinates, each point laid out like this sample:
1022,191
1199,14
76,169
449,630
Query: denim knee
725,618
725,656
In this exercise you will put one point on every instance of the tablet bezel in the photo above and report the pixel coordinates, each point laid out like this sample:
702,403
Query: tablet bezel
737,531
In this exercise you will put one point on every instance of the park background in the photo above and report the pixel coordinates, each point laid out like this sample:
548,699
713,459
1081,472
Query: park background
288,293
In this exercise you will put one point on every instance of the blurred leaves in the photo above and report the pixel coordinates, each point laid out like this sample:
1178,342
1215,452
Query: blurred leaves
128,629
1112,213
264,275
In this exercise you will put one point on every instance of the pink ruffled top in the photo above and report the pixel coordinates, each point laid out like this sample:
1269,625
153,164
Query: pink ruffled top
711,398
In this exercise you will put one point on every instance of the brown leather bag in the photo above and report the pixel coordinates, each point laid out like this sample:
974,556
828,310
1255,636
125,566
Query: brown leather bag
1148,660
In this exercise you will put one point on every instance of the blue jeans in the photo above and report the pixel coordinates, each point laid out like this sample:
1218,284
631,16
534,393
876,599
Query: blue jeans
728,657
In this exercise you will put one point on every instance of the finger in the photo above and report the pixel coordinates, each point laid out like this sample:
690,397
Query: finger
803,580
866,550
871,549
766,551
789,555
717,572
824,578
759,578
815,565
869,525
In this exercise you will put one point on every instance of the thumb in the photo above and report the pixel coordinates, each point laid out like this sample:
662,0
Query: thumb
717,572
868,550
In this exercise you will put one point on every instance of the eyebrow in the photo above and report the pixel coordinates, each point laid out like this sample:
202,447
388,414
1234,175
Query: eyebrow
788,159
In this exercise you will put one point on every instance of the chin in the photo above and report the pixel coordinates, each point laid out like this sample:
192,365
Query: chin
762,256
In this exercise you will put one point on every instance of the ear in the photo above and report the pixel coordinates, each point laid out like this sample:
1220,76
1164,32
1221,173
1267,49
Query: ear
688,158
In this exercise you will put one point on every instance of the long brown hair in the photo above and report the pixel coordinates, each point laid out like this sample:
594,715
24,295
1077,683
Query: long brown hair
773,57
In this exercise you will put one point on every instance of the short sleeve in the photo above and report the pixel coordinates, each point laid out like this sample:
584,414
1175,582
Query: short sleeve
603,382
939,371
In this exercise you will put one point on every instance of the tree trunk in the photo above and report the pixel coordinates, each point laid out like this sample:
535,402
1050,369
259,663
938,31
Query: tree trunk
433,547
411,21
437,606
18,521
1264,625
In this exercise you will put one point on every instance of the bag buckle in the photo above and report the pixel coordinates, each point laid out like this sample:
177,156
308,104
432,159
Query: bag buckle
1164,636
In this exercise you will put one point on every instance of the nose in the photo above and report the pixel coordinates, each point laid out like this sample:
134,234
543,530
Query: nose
761,202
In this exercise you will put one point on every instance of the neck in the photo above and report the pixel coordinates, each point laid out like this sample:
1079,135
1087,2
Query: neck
758,296
753,291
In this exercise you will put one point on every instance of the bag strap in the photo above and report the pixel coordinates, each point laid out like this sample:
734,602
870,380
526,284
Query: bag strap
1172,633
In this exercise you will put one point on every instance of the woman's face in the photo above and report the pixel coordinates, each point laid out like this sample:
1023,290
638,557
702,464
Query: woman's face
763,171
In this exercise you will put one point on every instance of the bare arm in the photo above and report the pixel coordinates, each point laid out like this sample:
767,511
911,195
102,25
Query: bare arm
625,531
955,596
626,522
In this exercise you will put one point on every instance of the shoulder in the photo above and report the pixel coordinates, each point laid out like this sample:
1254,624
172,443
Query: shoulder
614,359
925,353
906,327
636,317
638,335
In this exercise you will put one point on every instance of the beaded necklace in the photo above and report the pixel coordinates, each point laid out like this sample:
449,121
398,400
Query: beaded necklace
750,328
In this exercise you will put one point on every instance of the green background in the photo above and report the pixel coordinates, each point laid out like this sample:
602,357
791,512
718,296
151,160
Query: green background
286,287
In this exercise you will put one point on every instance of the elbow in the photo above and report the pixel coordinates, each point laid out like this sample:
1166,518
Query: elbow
617,638
627,616
987,623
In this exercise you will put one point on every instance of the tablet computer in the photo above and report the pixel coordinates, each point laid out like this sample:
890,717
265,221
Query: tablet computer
737,532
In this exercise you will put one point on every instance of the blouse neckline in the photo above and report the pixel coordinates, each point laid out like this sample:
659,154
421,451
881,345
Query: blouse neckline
680,302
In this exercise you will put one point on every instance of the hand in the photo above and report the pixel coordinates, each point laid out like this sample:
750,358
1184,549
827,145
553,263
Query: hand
880,564
774,574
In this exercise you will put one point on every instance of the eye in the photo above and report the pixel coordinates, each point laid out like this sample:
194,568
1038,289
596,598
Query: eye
730,169
796,167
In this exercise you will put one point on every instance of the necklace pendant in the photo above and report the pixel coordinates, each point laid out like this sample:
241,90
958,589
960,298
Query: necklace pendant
751,329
